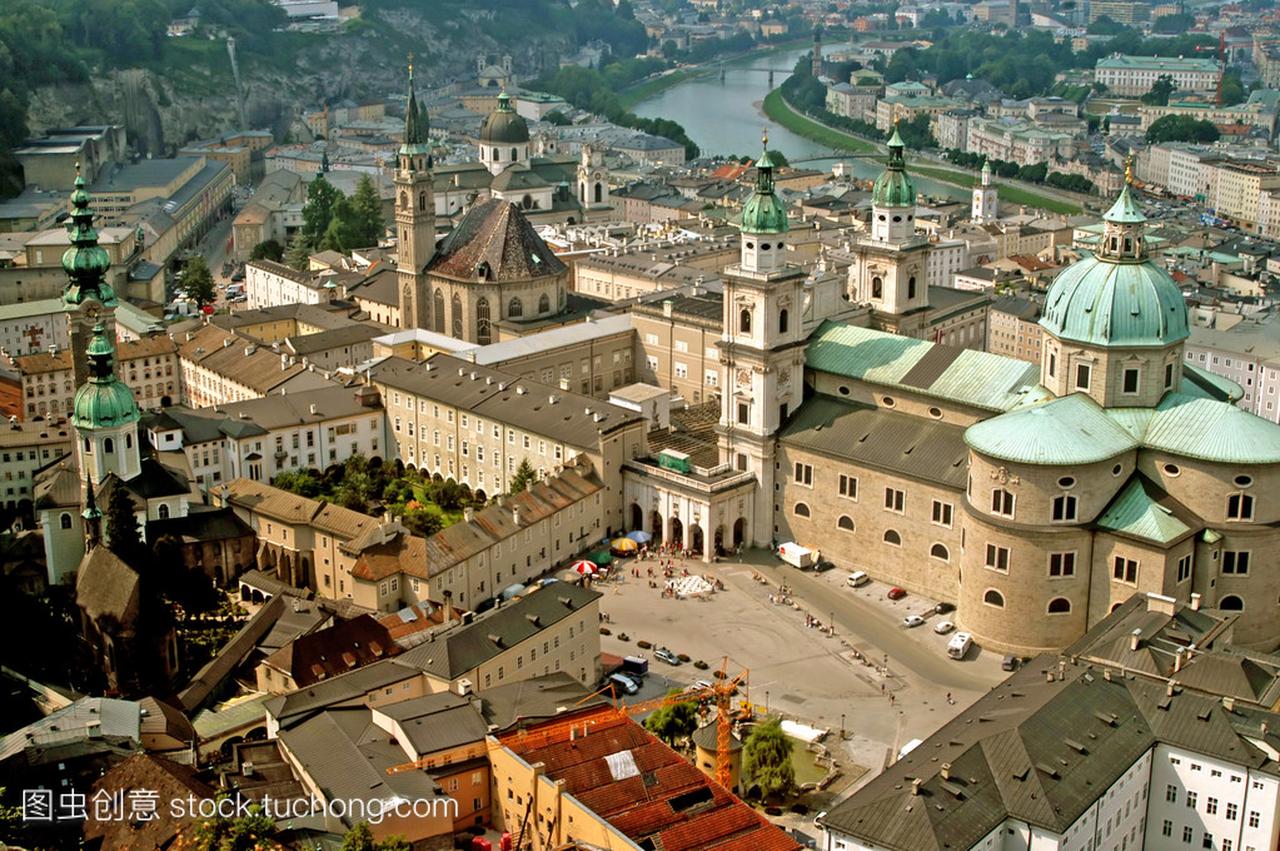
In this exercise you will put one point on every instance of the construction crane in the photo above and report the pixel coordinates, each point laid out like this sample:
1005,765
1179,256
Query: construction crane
1221,50
720,692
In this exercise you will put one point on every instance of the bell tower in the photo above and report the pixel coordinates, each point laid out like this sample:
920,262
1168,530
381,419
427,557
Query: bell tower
762,344
593,180
985,200
88,299
415,215
105,416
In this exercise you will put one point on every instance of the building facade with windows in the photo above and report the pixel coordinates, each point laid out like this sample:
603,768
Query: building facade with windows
1131,76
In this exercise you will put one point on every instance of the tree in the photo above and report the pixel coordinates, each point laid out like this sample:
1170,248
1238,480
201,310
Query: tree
1181,128
673,723
343,232
123,537
1173,24
360,838
299,255
317,212
779,159
366,207
767,758
268,249
198,282
1232,88
557,118
525,475
1161,89
247,833
303,482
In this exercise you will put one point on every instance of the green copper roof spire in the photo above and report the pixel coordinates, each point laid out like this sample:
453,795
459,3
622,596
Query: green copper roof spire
893,188
1125,210
104,401
416,140
85,262
764,212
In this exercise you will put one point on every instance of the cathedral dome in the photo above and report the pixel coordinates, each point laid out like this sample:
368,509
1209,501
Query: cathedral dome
1117,297
504,126
104,401
893,188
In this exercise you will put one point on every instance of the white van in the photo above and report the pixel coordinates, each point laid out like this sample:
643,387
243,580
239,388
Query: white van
857,579
624,683
959,645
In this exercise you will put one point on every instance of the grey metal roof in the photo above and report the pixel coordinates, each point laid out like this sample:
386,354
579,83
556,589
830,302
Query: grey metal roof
539,697
922,449
454,651
437,722
533,344
111,719
343,687
1041,752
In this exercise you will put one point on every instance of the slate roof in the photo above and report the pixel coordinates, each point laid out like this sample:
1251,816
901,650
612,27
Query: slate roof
922,449
298,510
462,648
292,707
437,722
334,650
978,379
114,722
106,587
496,233
171,781
540,697
1039,752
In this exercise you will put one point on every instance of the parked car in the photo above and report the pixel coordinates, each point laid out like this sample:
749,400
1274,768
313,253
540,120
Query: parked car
943,627
857,579
1009,662
944,608
959,645
623,683
912,620
896,593
701,684
822,565
667,656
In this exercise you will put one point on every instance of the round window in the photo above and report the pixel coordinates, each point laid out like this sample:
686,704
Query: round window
1243,481
936,413
843,390
751,245
1171,469
1067,482
779,246
909,217
764,246
881,217
1117,470
897,218
888,401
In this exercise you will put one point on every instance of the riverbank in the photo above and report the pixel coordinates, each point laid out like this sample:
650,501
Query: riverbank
777,108
652,86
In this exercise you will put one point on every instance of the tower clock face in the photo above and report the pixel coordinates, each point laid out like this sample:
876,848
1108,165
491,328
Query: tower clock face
91,309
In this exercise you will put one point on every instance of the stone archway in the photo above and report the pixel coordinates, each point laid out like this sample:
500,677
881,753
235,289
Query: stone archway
677,533
655,520
637,516
740,532
696,538
717,540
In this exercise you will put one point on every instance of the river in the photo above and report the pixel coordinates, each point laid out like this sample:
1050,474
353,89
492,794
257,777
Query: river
724,117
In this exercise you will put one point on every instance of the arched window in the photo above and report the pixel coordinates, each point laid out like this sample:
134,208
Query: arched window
911,287
128,441
877,287
782,321
527,201
940,552
108,446
544,304
845,522
404,196
892,537
515,308
801,510
1231,603
599,193
1239,506
993,598
483,336
163,511
1059,606
437,303
514,155
422,200
497,155
457,316
744,321
65,521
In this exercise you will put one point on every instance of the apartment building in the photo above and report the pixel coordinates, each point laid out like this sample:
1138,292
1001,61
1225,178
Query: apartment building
1237,189
890,110
148,365
1249,354
219,367
1130,76
592,357
476,424
676,342
267,284
618,276
26,448
1017,141
1013,328
259,438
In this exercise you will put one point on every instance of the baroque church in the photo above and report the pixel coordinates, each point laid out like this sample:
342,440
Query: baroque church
1035,498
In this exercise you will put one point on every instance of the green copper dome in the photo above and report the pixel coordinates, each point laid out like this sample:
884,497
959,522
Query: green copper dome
85,262
504,126
764,211
104,401
1117,297
893,187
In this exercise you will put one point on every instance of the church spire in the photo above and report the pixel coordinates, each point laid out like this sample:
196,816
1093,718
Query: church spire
85,262
1124,225
92,517
416,142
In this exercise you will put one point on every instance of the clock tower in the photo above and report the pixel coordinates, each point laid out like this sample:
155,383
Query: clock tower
415,215
761,346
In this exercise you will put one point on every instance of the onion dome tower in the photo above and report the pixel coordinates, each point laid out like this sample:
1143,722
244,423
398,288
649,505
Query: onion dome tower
1115,322
764,220
88,298
893,198
105,416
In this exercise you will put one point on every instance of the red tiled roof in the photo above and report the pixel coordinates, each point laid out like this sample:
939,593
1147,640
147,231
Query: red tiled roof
641,807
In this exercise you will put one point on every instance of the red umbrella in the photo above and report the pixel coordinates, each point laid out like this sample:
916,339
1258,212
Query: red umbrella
584,567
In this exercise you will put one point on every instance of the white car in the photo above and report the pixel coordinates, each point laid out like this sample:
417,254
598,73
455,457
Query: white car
943,627
912,620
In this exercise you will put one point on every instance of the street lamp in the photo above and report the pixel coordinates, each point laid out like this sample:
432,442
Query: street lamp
766,701
842,728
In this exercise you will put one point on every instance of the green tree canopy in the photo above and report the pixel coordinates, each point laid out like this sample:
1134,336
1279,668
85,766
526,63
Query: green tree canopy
248,833
524,476
360,838
268,249
366,207
317,212
1181,128
1161,89
121,521
197,280
767,758
298,256
673,723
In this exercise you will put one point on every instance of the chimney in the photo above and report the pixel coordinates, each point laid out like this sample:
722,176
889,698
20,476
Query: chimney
1228,703
1135,639
515,514
945,772
666,308
915,785
1169,688
313,408
1106,674
1195,602
564,384
468,514
1177,660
